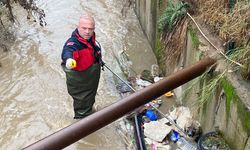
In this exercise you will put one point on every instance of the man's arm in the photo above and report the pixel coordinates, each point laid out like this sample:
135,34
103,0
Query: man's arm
68,50
67,54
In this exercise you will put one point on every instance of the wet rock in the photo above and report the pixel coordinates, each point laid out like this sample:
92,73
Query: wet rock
132,81
146,75
123,88
3,47
155,70
4,2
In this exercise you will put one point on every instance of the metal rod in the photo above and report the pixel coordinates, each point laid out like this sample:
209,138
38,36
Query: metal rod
140,144
119,77
90,124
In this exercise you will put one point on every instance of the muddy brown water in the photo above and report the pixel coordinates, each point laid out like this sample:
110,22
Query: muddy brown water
33,95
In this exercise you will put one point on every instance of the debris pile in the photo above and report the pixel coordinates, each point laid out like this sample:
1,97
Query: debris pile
163,134
176,129
160,131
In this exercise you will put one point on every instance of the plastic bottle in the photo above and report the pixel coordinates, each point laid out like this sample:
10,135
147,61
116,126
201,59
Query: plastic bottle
186,145
151,115
174,136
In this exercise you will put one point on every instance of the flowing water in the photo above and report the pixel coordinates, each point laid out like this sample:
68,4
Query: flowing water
33,94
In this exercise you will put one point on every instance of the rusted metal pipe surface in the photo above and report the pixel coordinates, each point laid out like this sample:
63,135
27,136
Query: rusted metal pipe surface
92,123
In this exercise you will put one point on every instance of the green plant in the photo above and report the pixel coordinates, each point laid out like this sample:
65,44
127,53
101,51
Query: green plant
232,97
194,37
229,94
158,47
241,54
207,85
158,54
209,88
160,2
171,15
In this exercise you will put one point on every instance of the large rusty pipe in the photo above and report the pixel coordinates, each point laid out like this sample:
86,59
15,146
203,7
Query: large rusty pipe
94,122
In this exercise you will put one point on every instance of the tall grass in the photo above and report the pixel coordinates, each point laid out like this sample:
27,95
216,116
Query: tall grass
209,89
231,24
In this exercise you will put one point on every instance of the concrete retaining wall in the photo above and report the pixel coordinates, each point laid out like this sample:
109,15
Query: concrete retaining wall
146,11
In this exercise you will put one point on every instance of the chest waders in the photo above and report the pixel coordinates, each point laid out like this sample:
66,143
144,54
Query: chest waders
82,86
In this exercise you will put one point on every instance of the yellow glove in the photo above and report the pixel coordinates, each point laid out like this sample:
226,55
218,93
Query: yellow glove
70,63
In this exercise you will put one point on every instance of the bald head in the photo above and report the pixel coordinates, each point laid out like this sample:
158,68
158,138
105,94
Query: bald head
86,26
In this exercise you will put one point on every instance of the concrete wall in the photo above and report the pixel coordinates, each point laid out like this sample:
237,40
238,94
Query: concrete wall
227,109
146,11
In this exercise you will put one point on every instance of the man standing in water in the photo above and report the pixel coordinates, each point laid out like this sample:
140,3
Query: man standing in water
81,59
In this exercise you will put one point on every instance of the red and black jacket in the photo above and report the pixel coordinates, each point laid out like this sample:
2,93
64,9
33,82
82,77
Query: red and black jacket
85,52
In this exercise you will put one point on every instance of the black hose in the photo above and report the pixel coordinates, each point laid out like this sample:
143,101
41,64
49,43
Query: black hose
138,133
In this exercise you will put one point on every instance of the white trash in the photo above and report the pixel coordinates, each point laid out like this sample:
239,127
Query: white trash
142,83
183,144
